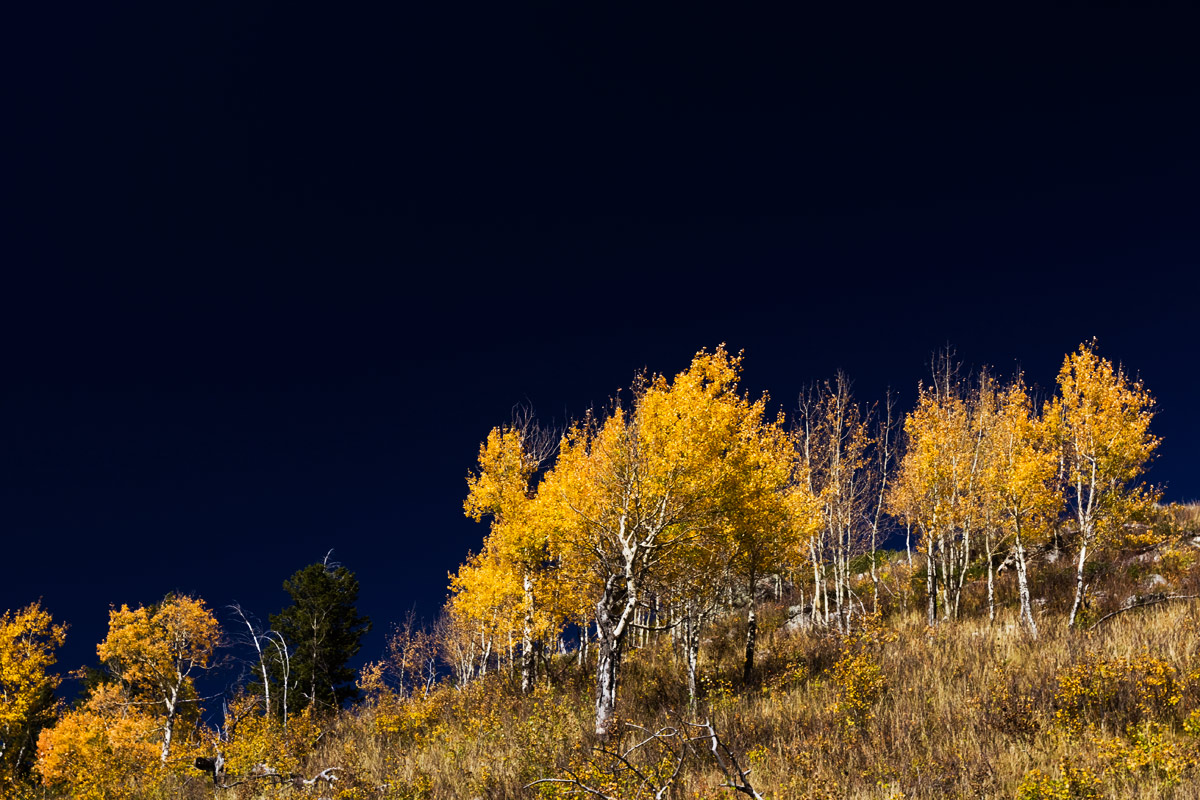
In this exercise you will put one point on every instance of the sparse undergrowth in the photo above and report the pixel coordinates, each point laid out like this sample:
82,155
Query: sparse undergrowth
962,710
895,709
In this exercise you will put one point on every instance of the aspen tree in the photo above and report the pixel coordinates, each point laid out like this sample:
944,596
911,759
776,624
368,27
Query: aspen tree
118,743
938,484
885,444
693,586
1101,421
263,643
915,495
503,489
522,550
643,483
485,607
28,639
408,665
834,445
975,503
768,513
899,500
984,498
1023,472
103,750
154,652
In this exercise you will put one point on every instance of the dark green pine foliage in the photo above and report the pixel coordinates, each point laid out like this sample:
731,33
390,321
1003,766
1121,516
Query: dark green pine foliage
324,631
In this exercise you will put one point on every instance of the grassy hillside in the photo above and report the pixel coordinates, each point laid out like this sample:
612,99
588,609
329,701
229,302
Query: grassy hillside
896,708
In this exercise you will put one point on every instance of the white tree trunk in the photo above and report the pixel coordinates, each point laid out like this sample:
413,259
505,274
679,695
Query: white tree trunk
172,703
614,612
931,586
751,637
816,608
1083,549
908,543
691,647
991,585
1023,586
528,665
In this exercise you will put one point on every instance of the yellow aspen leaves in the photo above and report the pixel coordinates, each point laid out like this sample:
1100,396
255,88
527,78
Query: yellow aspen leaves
127,734
939,488
28,639
152,651
1100,419
107,749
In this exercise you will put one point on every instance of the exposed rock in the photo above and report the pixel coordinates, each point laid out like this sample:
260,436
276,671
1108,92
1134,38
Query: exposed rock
797,619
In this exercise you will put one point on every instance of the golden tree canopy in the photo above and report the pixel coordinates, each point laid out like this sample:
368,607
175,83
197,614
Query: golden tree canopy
150,649
1102,418
28,639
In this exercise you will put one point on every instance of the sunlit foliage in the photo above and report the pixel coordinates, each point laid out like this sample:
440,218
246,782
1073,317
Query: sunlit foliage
28,640
108,749
684,562
136,729
1101,419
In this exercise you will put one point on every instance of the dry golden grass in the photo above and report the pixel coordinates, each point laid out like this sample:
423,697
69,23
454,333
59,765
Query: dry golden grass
965,709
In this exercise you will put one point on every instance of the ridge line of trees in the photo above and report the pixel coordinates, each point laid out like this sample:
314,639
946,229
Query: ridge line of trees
683,498
641,524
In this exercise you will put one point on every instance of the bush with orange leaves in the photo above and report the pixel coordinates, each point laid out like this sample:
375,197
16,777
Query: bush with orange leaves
104,750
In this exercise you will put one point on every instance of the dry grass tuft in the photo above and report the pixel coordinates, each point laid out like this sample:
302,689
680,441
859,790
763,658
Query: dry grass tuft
895,710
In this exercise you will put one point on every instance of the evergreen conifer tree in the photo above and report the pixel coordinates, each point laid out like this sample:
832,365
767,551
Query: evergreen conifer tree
324,631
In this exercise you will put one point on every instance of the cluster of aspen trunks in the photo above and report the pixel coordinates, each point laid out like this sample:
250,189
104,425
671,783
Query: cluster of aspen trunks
646,517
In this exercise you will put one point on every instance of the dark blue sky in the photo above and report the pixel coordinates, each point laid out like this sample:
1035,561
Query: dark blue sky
272,272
